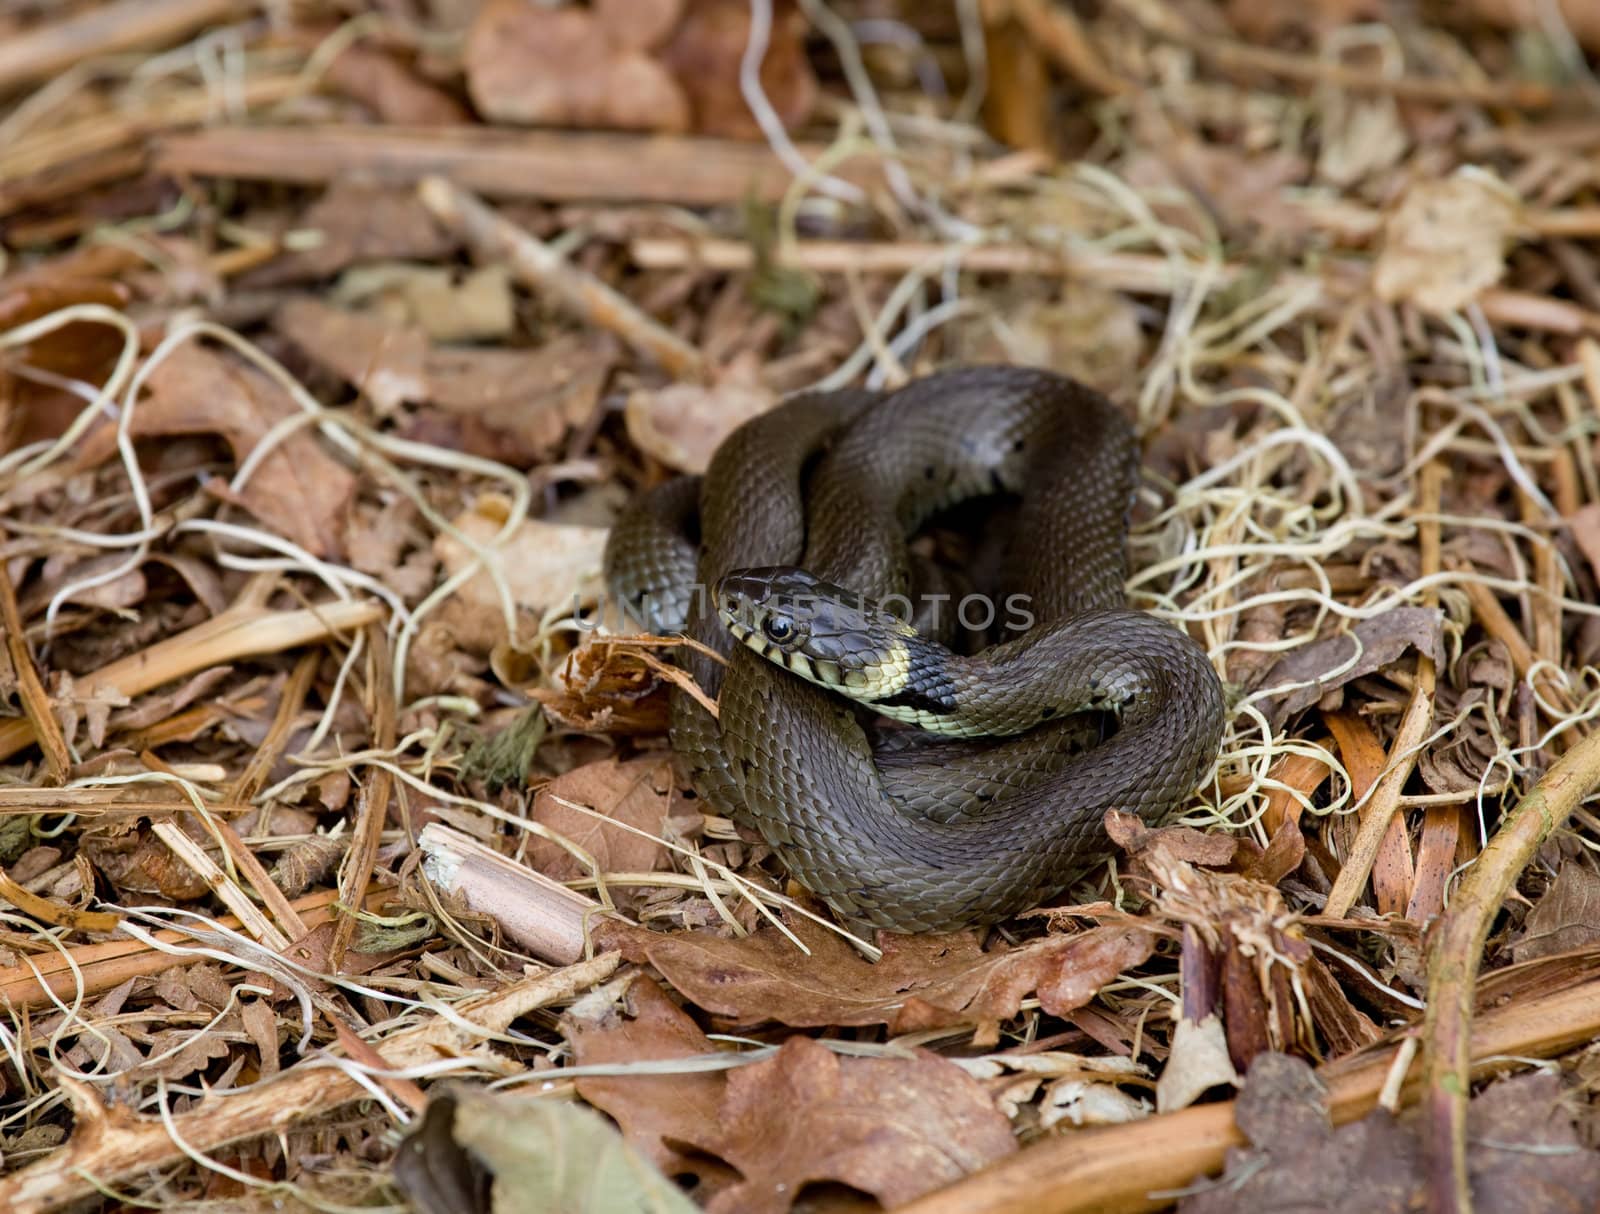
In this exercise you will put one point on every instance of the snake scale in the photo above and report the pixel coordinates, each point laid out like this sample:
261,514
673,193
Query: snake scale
934,836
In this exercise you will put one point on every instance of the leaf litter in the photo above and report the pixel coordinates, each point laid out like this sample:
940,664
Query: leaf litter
303,512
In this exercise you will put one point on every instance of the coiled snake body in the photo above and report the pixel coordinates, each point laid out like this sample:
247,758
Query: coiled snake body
925,837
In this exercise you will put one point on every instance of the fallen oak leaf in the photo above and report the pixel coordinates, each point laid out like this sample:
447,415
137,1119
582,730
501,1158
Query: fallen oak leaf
920,982
1299,1161
892,1127
391,90
297,489
1170,845
384,360
1093,958
515,406
356,221
682,424
637,793
669,1118
1565,916
1526,1153
542,565
563,67
1329,664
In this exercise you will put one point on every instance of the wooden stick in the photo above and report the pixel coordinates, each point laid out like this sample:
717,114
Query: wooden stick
46,911
1117,1170
97,802
239,632
1457,952
539,913
372,803
1383,806
1136,273
92,969
1441,824
1059,34
259,766
1393,872
495,239
36,708
110,1143
53,46
496,162
221,884
1231,55
61,145
260,880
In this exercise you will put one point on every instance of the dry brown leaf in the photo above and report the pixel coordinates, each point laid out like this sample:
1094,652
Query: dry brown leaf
543,565
389,544
606,687
68,569
631,1020
1097,956
561,67
391,90
1086,332
1242,190
261,1024
1166,847
921,981
1567,916
516,1154
384,361
1362,137
639,24
1372,643
311,952
191,1052
682,424
704,56
516,406
637,793
31,411
1198,1062
1446,241
1525,1156
1300,1162
358,221
297,490
170,700
136,861
892,1127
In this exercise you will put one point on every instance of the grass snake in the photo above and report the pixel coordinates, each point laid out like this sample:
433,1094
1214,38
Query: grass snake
799,530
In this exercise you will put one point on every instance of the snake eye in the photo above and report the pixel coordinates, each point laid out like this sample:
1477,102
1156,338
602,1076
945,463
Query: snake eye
779,628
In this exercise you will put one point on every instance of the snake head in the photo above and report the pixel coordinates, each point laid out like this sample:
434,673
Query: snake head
823,633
